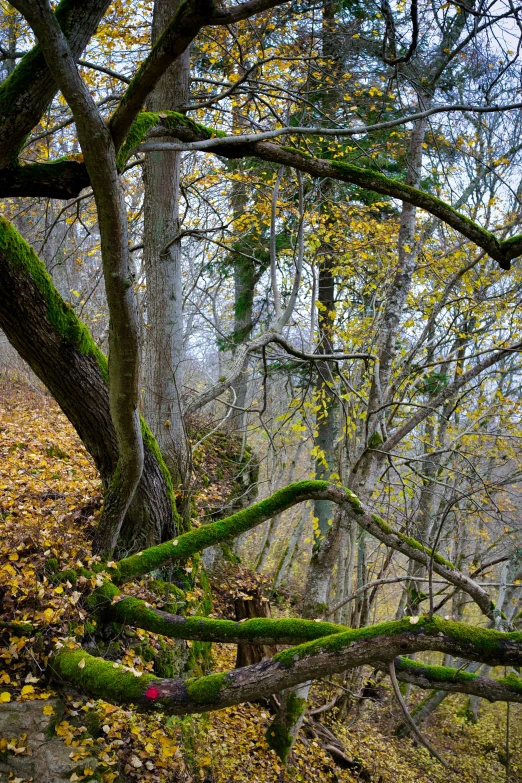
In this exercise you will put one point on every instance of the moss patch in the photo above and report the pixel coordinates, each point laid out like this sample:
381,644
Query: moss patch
98,678
61,315
146,120
205,690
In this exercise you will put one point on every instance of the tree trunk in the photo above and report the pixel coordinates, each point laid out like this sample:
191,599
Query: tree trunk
325,419
164,348
58,348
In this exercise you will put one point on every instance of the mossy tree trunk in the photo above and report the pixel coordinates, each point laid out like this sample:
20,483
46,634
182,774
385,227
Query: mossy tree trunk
99,153
58,348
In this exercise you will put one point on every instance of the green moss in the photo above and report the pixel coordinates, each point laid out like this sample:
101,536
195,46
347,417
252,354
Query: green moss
295,151
512,681
205,690
435,673
102,597
94,720
184,546
150,442
387,528
374,440
444,674
384,526
294,708
98,678
417,545
21,629
486,642
51,565
146,120
69,575
61,315
280,740
354,502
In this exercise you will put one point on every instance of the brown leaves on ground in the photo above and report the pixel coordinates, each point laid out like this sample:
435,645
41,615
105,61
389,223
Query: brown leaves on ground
49,501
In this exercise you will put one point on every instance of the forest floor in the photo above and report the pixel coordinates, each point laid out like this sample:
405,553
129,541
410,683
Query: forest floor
49,502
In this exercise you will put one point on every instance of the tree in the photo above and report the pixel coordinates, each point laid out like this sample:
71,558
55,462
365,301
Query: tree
102,400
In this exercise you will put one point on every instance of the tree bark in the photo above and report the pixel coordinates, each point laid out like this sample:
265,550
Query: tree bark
100,160
164,348
58,348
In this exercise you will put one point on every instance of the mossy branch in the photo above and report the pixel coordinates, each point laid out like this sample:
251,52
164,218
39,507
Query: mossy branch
136,613
445,678
502,251
329,655
186,545
182,547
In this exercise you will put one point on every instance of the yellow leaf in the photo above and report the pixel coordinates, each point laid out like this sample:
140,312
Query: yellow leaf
13,556
27,689
48,710
5,696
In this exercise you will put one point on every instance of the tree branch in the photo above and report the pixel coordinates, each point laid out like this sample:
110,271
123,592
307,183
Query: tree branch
237,147
188,544
26,93
445,678
190,18
328,655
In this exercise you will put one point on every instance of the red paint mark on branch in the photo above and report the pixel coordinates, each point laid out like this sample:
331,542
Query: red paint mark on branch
152,693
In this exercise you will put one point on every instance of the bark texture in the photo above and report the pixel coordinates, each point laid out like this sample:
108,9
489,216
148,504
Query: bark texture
164,345
57,346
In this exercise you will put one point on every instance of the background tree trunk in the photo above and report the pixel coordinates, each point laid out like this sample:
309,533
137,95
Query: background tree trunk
164,345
